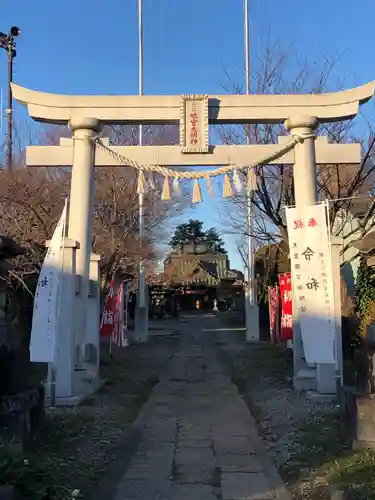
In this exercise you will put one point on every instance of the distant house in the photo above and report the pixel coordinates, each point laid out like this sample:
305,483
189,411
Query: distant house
348,225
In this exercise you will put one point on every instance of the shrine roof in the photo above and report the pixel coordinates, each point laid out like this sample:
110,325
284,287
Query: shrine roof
210,267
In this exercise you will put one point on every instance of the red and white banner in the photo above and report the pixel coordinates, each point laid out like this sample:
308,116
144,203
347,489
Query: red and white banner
107,321
113,325
273,305
119,337
286,330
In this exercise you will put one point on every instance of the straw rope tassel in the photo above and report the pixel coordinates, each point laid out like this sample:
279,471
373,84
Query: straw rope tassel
210,188
251,180
166,193
176,187
141,183
237,180
197,193
227,191
151,181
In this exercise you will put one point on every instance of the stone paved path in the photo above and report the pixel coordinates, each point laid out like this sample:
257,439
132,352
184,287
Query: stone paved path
198,439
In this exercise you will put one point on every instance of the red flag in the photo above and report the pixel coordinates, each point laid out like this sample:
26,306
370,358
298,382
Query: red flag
107,322
273,305
286,331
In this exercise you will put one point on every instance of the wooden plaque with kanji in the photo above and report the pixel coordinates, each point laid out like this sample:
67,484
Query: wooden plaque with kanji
194,123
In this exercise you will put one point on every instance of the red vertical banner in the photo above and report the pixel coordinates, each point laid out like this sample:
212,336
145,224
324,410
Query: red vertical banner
119,336
286,330
273,304
126,305
108,316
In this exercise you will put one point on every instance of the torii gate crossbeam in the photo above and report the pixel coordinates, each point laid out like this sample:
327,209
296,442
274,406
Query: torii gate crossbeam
236,109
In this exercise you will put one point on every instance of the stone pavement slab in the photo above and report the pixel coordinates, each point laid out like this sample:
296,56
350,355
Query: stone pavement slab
238,463
192,492
246,486
198,440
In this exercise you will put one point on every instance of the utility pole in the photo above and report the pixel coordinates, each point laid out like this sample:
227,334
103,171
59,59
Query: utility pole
7,42
141,321
11,51
141,195
251,307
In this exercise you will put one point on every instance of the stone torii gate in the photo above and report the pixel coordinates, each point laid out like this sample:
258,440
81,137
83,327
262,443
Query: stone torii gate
301,114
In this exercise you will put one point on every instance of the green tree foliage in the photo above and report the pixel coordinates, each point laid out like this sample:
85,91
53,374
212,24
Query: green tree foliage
364,295
193,232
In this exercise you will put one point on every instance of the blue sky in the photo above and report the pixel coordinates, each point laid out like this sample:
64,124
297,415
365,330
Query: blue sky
90,46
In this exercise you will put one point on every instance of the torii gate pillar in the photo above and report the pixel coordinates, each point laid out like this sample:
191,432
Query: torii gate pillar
80,217
306,193
304,169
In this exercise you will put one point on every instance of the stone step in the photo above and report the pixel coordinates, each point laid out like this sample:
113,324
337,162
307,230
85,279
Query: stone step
305,379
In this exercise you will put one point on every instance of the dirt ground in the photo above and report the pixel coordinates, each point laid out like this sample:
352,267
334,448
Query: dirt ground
306,440
79,444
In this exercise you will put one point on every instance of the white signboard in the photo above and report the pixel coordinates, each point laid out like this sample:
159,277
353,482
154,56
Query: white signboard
44,328
312,280
194,123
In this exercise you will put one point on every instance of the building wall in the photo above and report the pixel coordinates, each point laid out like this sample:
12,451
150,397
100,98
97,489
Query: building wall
348,227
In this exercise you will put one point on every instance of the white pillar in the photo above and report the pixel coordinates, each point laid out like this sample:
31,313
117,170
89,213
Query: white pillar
141,319
330,375
80,215
304,170
92,339
305,193
323,378
251,319
337,244
65,348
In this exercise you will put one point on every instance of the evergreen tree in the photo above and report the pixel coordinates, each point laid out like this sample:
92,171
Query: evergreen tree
364,294
192,232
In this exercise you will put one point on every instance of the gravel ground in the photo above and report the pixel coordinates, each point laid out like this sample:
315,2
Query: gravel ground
305,438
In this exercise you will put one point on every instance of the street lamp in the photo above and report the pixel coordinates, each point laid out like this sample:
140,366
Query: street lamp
8,43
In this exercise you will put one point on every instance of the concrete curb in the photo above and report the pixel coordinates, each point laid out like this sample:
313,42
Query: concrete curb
108,486
281,491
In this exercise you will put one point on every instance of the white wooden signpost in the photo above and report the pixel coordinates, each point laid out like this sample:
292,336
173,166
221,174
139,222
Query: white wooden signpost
312,281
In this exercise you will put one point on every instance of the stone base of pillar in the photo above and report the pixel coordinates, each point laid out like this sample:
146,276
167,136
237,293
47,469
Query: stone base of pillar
72,385
326,378
91,348
84,384
65,401
305,379
321,379
140,334
252,322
